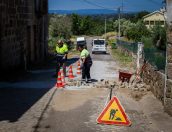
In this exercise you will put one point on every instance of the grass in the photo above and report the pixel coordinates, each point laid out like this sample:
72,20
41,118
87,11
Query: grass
123,60
109,35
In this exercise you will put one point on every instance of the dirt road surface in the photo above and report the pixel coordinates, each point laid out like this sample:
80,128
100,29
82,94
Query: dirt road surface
76,108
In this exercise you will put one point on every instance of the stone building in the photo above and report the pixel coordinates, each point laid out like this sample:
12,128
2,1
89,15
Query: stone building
23,33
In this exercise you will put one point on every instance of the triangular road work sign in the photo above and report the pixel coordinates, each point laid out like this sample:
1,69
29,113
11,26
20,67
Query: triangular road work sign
114,114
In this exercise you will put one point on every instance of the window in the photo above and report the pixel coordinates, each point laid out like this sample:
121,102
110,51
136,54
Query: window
157,22
151,22
162,22
147,22
99,42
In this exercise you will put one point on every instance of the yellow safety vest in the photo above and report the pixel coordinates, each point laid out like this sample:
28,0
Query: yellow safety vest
62,50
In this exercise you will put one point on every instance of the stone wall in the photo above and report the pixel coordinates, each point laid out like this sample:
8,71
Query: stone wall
168,99
156,80
23,37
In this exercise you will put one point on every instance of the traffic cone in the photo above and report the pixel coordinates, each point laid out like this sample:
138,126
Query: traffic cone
70,75
63,78
59,81
79,68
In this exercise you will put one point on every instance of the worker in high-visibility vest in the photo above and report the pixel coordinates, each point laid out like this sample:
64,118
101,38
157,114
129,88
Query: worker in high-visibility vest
86,63
61,53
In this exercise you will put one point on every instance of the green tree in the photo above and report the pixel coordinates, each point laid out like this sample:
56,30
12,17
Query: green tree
159,37
60,26
76,22
137,31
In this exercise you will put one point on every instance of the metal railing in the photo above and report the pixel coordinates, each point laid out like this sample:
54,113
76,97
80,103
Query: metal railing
154,56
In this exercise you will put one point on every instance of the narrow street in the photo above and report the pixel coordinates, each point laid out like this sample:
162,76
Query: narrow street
40,107
76,109
130,44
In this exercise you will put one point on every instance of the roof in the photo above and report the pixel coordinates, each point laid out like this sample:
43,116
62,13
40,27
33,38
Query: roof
153,14
80,39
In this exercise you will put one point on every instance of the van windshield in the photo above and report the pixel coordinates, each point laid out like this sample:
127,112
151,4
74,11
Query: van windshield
81,43
99,42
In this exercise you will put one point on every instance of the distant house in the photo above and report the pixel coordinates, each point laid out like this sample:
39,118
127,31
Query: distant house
156,17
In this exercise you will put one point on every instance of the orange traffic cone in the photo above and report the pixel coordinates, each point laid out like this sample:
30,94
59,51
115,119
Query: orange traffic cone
63,78
79,68
59,81
70,76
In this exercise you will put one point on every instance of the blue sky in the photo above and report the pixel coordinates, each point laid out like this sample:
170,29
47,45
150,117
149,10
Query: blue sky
129,5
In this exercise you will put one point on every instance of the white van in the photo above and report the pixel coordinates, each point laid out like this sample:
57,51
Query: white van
99,45
81,41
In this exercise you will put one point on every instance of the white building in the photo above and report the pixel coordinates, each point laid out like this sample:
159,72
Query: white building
156,17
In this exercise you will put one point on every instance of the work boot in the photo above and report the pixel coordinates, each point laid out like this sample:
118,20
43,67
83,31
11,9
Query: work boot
89,81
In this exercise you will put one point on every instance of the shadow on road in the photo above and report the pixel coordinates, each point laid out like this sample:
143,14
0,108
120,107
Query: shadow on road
20,91
72,61
14,102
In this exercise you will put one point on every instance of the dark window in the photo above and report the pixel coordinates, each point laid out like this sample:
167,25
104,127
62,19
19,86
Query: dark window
99,42
147,22
162,22
81,43
151,22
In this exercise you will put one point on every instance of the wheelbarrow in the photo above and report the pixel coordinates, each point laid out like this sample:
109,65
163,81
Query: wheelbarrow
124,76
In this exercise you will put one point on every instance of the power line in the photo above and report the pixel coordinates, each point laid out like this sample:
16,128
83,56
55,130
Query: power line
155,2
122,6
97,5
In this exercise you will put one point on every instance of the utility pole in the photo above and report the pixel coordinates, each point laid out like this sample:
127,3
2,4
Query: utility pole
119,19
119,26
122,8
105,27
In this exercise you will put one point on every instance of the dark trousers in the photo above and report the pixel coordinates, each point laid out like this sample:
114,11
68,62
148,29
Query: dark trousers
86,72
61,63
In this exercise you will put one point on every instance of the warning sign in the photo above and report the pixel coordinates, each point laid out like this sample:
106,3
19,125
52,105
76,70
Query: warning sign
114,114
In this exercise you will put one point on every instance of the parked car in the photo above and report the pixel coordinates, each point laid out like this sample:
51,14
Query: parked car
99,46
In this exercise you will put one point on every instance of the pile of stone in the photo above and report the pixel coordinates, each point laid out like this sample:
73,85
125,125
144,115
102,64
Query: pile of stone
105,84
134,85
